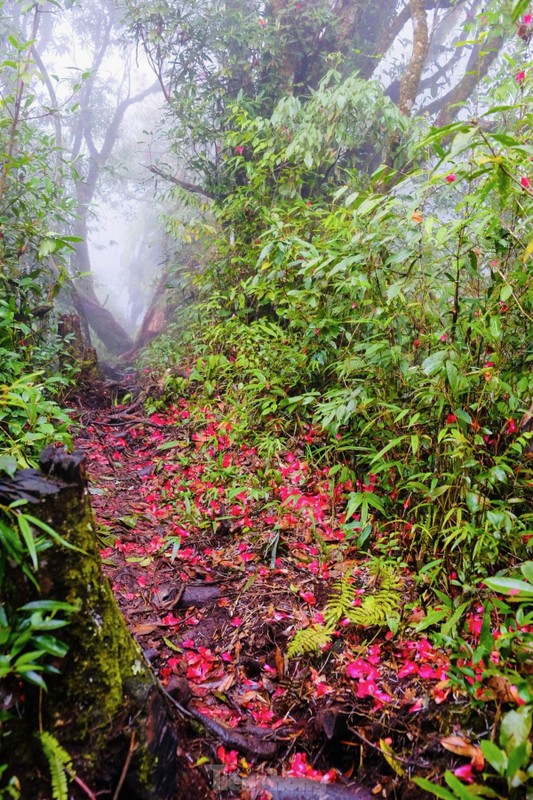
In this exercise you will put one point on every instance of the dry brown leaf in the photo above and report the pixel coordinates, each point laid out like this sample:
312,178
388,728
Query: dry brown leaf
462,747
458,744
280,662
504,690
226,683
144,627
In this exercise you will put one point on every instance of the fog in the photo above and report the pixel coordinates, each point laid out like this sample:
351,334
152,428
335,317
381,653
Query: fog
103,106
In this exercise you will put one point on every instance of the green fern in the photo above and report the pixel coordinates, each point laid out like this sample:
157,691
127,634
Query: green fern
376,609
309,640
58,762
340,604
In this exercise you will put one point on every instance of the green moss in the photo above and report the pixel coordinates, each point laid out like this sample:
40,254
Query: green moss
103,657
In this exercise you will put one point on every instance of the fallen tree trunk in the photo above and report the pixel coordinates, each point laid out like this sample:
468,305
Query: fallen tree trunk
102,322
106,707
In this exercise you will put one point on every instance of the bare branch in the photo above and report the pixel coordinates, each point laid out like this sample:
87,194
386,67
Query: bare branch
411,78
189,187
478,65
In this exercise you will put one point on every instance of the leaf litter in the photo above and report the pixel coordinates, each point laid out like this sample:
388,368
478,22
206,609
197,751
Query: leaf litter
218,558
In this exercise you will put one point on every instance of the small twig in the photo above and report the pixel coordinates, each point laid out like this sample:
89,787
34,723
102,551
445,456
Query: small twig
408,762
126,766
83,786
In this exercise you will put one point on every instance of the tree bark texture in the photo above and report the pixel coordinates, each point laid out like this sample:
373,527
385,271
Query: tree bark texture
105,707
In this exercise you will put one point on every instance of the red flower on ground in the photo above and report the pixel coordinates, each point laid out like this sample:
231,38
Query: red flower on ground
229,758
465,773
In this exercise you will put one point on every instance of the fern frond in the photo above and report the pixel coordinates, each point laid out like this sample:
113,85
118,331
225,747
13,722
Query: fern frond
341,601
58,760
376,608
308,640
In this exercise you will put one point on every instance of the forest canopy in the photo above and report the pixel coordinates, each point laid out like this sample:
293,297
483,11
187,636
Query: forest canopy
309,441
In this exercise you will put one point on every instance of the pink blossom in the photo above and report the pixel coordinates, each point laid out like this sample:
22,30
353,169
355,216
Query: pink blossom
451,177
528,18
520,77
465,773
299,768
443,337
229,758
322,689
240,149
525,183
263,715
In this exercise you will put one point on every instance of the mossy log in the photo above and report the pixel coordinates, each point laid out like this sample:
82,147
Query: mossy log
105,707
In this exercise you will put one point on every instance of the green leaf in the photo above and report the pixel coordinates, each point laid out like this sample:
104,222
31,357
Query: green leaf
459,788
472,502
434,616
520,7
463,416
27,535
437,791
505,292
434,362
448,626
368,205
33,677
510,586
8,464
527,571
495,326
453,376
51,645
497,758
515,728
49,605
518,759
394,443
38,523
461,141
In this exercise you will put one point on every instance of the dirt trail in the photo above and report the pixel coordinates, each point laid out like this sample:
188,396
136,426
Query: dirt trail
217,557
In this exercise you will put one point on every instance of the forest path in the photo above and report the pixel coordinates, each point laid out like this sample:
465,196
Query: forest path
217,557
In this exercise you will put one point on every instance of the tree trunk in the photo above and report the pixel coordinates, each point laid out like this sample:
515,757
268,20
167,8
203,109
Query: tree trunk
102,322
105,707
